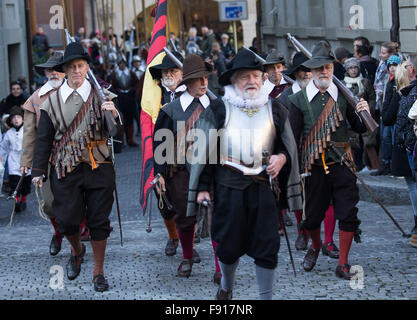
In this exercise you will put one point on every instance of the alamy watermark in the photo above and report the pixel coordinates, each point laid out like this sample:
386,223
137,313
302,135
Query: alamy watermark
197,148
57,20
56,282
356,22
357,282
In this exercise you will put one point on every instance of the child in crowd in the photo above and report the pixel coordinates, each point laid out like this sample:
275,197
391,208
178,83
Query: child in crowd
11,151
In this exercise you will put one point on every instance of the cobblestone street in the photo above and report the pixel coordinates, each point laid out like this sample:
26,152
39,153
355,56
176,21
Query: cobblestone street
140,269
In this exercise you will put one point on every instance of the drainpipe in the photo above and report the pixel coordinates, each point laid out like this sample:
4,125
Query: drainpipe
93,15
395,29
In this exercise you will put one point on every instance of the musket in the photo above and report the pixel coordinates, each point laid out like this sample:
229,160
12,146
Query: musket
276,191
173,45
351,167
366,117
179,64
201,227
153,183
112,126
262,60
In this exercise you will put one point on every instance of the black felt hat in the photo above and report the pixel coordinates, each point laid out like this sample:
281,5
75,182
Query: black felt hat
274,57
297,64
243,60
73,51
322,54
55,59
156,71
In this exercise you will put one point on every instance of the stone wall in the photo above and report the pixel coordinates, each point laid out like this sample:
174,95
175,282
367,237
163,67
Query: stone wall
13,52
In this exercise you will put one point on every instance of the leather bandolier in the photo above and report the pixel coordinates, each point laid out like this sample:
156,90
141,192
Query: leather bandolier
83,140
317,141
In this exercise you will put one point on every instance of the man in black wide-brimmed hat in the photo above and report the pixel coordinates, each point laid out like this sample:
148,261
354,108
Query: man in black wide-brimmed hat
82,174
318,114
245,217
178,118
32,116
302,76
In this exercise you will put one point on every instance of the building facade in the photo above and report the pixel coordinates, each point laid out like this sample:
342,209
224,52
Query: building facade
13,47
339,21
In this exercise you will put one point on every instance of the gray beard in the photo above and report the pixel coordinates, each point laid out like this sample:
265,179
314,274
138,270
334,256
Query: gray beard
303,83
322,84
246,95
168,82
55,83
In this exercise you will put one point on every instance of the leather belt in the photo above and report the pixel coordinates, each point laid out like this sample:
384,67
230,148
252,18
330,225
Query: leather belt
257,177
340,144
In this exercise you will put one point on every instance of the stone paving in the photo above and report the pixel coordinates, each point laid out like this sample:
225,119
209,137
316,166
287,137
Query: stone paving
140,270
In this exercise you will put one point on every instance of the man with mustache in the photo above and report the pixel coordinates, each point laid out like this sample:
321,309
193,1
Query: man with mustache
178,118
169,77
274,66
32,115
245,220
302,76
330,181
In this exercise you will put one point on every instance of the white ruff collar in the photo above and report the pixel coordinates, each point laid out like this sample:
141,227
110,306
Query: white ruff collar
231,96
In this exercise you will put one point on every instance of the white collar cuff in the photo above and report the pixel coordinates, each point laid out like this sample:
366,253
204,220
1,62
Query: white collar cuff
312,91
83,91
45,89
186,99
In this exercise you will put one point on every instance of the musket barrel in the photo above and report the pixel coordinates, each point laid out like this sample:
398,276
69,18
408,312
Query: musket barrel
262,60
179,64
110,121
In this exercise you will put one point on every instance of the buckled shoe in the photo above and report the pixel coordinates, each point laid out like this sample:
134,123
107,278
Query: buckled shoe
74,265
310,259
343,272
331,250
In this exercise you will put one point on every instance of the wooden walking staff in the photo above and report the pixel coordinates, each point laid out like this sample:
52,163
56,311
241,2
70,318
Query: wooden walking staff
366,117
144,24
106,27
101,37
123,28
136,23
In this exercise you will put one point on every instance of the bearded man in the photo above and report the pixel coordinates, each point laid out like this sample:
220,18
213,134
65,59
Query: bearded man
302,76
320,108
32,116
245,219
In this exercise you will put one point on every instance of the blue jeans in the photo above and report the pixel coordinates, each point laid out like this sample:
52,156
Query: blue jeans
387,136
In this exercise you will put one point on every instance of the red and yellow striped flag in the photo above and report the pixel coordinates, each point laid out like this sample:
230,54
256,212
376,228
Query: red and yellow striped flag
151,100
